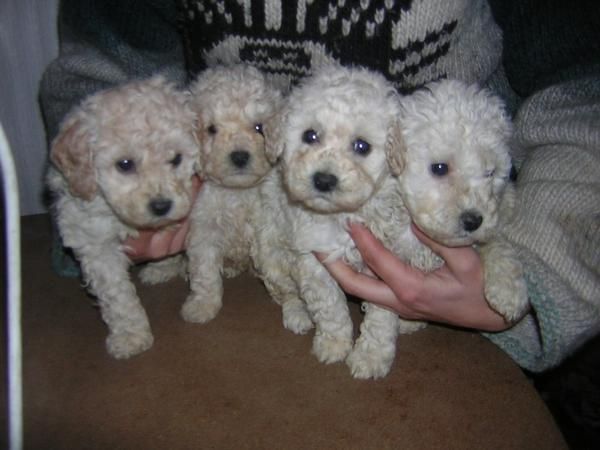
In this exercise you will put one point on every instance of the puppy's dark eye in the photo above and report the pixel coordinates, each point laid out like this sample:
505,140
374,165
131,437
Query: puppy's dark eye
176,160
439,169
361,147
212,129
125,165
513,173
489,173
259,128
310,137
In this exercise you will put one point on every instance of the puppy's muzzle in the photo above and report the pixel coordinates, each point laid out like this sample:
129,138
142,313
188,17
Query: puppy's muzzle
239,158
160,206
471,220
324,182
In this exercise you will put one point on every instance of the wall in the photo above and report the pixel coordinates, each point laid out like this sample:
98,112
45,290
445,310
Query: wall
28,41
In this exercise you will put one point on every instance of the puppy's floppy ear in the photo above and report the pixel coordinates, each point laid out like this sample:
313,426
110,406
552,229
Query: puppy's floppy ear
395,148
273,132
72,155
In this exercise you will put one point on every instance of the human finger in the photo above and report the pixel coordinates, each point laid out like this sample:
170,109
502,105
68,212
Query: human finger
196,184
134,248
383,262
151,245
178,239
461,259
356,283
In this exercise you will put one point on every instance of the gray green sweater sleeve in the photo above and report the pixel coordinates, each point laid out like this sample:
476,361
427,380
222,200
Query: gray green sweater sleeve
552,59
557,226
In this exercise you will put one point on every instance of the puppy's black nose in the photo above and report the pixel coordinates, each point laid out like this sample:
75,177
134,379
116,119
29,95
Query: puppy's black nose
471,220
324,182
239,158
160,206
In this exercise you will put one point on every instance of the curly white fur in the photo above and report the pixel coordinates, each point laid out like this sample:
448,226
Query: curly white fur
452,168
332,139
453,172
232,104
122,161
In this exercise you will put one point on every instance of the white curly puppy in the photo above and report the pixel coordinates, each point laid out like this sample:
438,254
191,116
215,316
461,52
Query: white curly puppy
453,168
232,104
122,161
332,139
454,171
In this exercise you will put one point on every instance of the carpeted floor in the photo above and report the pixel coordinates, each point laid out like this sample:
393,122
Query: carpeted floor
242,381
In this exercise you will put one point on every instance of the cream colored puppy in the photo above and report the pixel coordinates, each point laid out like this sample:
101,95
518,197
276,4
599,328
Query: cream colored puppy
454,170
232,104
122,161
332,139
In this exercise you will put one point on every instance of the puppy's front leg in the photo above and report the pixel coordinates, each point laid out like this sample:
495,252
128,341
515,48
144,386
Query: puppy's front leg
375,349
205,261
274,264
505,287
328,308
106,271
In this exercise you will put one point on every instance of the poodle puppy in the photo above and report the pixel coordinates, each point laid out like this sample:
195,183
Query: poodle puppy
332,139
232,104
452,167
122,161
454,171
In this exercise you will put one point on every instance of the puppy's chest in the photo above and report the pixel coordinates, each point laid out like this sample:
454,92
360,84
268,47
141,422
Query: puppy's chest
385,216
225,216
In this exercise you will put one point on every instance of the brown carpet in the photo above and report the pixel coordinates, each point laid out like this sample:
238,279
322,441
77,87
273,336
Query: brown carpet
244,382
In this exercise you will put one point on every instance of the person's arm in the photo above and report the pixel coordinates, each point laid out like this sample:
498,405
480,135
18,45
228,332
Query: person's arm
556,230
452,294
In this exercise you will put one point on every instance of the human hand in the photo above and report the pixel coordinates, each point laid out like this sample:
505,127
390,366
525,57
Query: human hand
452,294
157,244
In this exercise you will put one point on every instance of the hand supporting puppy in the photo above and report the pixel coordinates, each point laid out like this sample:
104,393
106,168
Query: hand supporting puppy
151,245
452,294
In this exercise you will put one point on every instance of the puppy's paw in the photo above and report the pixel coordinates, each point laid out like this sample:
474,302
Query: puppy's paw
506,289
197,310
296,317
231,272
509,300
330,349
128,343
505,286
163,271
366,364
410,326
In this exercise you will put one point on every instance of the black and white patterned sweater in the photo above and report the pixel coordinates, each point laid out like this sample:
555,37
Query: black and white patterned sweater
410,41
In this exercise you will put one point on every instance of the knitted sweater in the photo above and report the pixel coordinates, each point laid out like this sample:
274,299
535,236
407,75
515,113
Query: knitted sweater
412,42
